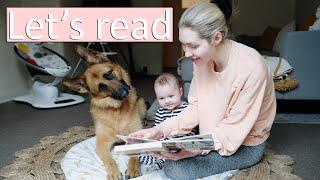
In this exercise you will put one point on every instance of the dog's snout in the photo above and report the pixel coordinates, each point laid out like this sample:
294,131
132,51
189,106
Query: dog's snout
124,91
125,84
102,87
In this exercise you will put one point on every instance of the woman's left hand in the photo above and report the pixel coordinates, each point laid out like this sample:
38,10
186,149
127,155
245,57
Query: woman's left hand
178,155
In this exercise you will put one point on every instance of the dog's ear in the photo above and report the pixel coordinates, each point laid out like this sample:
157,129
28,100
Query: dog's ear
91,56
79,85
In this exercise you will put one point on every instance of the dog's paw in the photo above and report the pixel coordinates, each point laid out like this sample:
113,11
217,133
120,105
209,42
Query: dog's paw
132,173
115,176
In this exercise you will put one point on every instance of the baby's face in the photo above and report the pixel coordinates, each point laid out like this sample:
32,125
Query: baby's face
169,97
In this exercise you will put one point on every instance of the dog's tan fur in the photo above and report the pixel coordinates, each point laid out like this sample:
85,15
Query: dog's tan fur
111,114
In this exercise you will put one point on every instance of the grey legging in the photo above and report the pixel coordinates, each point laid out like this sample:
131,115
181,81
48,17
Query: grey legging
213,163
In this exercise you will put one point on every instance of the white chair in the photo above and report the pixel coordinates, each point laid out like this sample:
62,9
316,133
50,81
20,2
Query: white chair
40,60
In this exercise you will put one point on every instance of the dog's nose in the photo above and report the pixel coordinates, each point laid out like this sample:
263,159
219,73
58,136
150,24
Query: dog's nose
123,92
102,87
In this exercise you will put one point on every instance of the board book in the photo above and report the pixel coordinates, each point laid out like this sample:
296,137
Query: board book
141,146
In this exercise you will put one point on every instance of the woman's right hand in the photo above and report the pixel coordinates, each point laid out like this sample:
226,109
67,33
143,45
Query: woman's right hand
150,133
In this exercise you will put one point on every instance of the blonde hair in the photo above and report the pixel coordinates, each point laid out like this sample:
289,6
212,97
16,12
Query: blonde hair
205,18
168,79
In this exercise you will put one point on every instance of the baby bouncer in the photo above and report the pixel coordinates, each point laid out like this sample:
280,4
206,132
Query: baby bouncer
40,60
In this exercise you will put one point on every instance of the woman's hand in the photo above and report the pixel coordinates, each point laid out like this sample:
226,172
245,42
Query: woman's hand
150,133
178,155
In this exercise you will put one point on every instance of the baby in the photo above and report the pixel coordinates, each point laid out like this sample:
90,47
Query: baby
168,91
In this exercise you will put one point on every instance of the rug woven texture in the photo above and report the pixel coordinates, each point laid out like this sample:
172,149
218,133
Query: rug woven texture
42,161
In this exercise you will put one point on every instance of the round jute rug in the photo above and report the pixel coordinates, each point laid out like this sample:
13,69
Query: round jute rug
42,161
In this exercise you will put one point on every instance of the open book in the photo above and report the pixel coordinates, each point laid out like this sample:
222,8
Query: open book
196,142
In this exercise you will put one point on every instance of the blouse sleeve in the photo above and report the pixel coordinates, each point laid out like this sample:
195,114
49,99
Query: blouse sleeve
231,132
187,119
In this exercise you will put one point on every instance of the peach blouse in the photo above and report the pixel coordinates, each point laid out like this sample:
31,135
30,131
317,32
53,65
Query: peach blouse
237,106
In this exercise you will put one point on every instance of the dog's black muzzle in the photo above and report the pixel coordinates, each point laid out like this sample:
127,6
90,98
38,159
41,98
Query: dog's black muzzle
123,90
120,93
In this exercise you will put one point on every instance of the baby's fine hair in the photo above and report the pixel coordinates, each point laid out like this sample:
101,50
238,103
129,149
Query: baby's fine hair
206,19
168,78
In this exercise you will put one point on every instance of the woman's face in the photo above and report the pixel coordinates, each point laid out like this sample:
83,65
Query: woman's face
199,50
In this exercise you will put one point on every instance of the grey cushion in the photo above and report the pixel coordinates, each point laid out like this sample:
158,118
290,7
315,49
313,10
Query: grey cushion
152,110
302,50
186,69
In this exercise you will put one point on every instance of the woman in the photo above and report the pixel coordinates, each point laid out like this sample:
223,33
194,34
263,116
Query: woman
231,97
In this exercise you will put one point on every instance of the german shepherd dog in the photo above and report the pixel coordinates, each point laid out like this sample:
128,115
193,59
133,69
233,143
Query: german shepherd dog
115,106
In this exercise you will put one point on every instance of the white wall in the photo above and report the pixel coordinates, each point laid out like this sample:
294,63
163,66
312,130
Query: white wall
256,15
12,74
14,80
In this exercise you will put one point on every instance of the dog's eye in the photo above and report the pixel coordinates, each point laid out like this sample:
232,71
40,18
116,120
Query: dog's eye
108,75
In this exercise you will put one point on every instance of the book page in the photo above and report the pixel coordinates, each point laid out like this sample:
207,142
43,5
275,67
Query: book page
194,137
197,142
190,144
134,140
140,148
